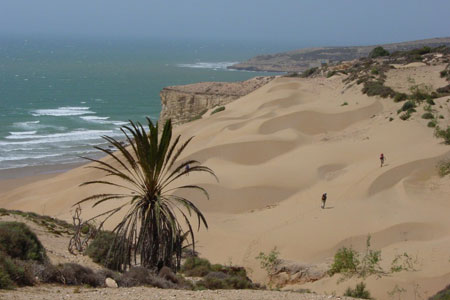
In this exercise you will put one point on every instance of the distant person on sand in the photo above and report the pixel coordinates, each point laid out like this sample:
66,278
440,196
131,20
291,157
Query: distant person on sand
187,169
324,200
382,158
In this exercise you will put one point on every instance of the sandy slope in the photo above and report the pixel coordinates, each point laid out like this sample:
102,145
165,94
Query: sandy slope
276,151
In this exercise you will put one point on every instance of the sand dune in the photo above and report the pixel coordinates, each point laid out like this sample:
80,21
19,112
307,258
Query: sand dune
276,151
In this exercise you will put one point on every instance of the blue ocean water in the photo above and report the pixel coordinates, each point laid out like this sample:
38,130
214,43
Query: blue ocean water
59,96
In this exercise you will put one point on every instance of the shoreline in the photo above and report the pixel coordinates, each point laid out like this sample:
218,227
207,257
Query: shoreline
13,178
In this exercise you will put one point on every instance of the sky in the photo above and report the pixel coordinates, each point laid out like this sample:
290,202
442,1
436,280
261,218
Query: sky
306,22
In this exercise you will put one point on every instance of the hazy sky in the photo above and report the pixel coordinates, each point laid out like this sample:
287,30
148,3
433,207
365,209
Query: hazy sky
310,22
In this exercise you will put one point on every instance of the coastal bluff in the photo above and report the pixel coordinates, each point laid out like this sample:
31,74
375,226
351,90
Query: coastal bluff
303,59
184,103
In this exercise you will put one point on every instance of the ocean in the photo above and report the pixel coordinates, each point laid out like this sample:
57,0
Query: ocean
59,96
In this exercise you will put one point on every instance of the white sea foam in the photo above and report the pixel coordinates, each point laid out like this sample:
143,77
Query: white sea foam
20,133
72,136
30,156
119,123
63,111
208,65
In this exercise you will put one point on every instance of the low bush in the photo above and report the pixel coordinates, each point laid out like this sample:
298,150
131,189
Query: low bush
427,115
309,72
75,274
408,105
443,167
196,267
345,261
18,241
443,133
432,124
442,295
400,97
405,116
219,109
331,73
138,276
378,52
99,250
359,292
14,272
221,280
444,73
269,261
444,90
377,88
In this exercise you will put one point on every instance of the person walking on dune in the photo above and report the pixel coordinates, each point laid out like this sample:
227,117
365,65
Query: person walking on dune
324,200
382,158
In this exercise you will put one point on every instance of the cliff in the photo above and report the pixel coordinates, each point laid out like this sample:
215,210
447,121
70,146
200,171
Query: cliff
184,103
302,59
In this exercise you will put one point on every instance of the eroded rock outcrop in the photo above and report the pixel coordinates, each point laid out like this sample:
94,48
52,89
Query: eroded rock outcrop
290,272
186,102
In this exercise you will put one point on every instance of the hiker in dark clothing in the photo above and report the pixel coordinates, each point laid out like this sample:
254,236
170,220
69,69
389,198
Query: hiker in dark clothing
324,199
187,169
382,158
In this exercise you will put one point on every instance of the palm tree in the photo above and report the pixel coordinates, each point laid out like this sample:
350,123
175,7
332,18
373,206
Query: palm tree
150,230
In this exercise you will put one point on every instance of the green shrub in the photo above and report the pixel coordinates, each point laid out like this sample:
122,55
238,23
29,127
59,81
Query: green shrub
427,115
221,280
408,105
345,261
18,241
405,116
344,104
331,73
309,72
403,262
99,250
14,273
5,282
443,133
269,261
444,73
400,97
432,124
378,52
219,109
377,88
442,295
444,167
359,292
374,71
196,267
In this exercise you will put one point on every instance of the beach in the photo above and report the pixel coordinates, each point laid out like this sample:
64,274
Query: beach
275,152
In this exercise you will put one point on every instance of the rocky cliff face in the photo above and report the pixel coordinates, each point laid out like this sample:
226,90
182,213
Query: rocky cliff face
184,103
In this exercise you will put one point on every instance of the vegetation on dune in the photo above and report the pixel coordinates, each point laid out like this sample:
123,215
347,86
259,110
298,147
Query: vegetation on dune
101,251
359,292
444,294
443,167
443,133
378,52
219,109
216,276
18,241
150,231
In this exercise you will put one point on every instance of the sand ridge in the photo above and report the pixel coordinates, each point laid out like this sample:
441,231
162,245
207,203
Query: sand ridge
275,151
